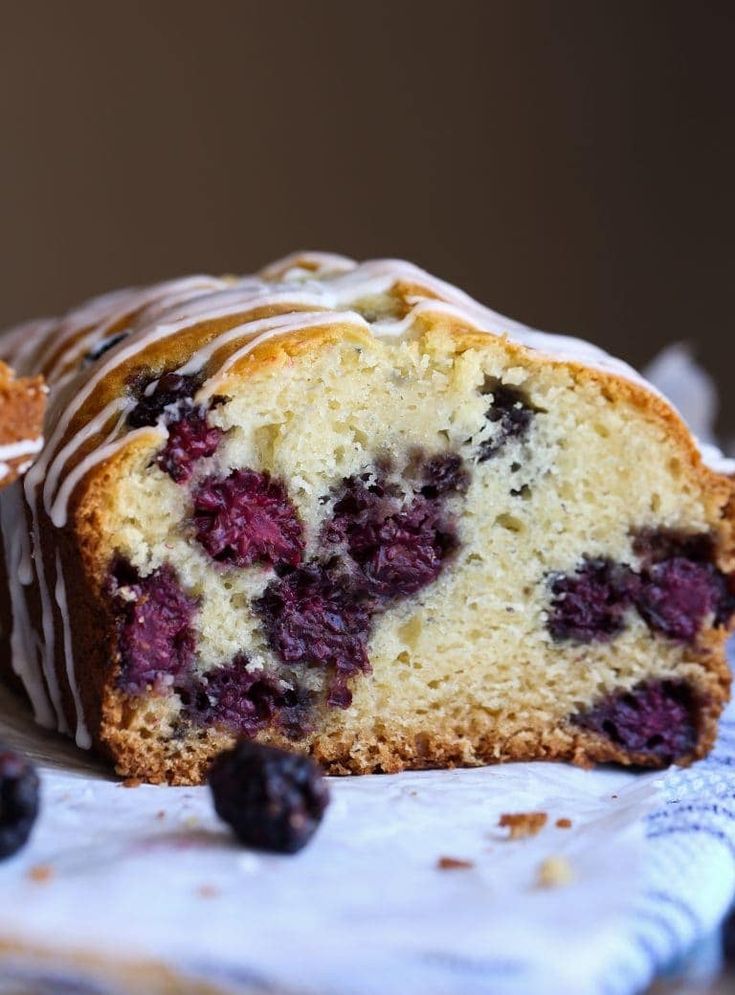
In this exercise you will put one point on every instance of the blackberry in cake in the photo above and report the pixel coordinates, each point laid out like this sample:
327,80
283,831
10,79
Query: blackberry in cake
344,509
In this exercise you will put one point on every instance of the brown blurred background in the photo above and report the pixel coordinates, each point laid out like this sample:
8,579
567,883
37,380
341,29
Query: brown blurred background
570,163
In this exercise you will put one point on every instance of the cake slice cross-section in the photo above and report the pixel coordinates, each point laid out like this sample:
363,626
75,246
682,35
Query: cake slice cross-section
345,509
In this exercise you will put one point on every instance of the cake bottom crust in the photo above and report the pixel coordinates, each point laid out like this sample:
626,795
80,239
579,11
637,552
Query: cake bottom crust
391,750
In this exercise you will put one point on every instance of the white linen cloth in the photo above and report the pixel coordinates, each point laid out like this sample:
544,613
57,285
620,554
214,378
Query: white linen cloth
364,909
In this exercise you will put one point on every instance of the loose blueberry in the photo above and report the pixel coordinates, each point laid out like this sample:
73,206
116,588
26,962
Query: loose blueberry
590,605
273,800
247,518
155,634
313,617
656,719
19,801
244,702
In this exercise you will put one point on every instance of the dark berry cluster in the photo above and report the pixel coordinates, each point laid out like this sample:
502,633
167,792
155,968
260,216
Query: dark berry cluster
677,595
247,517
591,603
379,545
243,701
399,541
190,437
676,589
161,396
443,475
682,584
399,545
154,620
656,719
19,801
272,799
512,412
317,616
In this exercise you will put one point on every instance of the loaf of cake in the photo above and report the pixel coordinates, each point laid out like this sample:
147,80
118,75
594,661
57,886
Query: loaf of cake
345,509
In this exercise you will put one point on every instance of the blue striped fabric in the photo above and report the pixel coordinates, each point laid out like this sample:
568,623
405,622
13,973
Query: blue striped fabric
690,868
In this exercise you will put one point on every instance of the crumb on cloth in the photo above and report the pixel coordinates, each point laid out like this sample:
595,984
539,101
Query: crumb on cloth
131,782
564,823
523,824
40,873
453,864
554,872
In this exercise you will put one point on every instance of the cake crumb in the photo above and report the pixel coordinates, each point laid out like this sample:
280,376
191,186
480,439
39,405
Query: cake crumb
131,782
453,864
554,872
161,814
207,891
564,823
523,824
40,873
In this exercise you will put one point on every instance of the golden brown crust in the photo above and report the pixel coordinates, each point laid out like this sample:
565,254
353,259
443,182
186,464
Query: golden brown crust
22,406
521,825
392,752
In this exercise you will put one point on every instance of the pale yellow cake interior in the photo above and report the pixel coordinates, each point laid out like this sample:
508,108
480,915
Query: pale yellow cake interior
470,655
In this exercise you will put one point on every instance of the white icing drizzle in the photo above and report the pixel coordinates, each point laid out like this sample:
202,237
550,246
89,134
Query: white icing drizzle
270,328
92,427
18,343
26,447
48,643
81,734
58,510
16,544
307,290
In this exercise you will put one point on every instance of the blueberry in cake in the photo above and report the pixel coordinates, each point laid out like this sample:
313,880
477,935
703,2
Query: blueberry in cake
343,508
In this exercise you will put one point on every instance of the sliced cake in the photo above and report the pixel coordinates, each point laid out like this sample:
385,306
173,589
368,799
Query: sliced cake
345,509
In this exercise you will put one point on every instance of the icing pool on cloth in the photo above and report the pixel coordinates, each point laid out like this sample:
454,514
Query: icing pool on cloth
364,910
